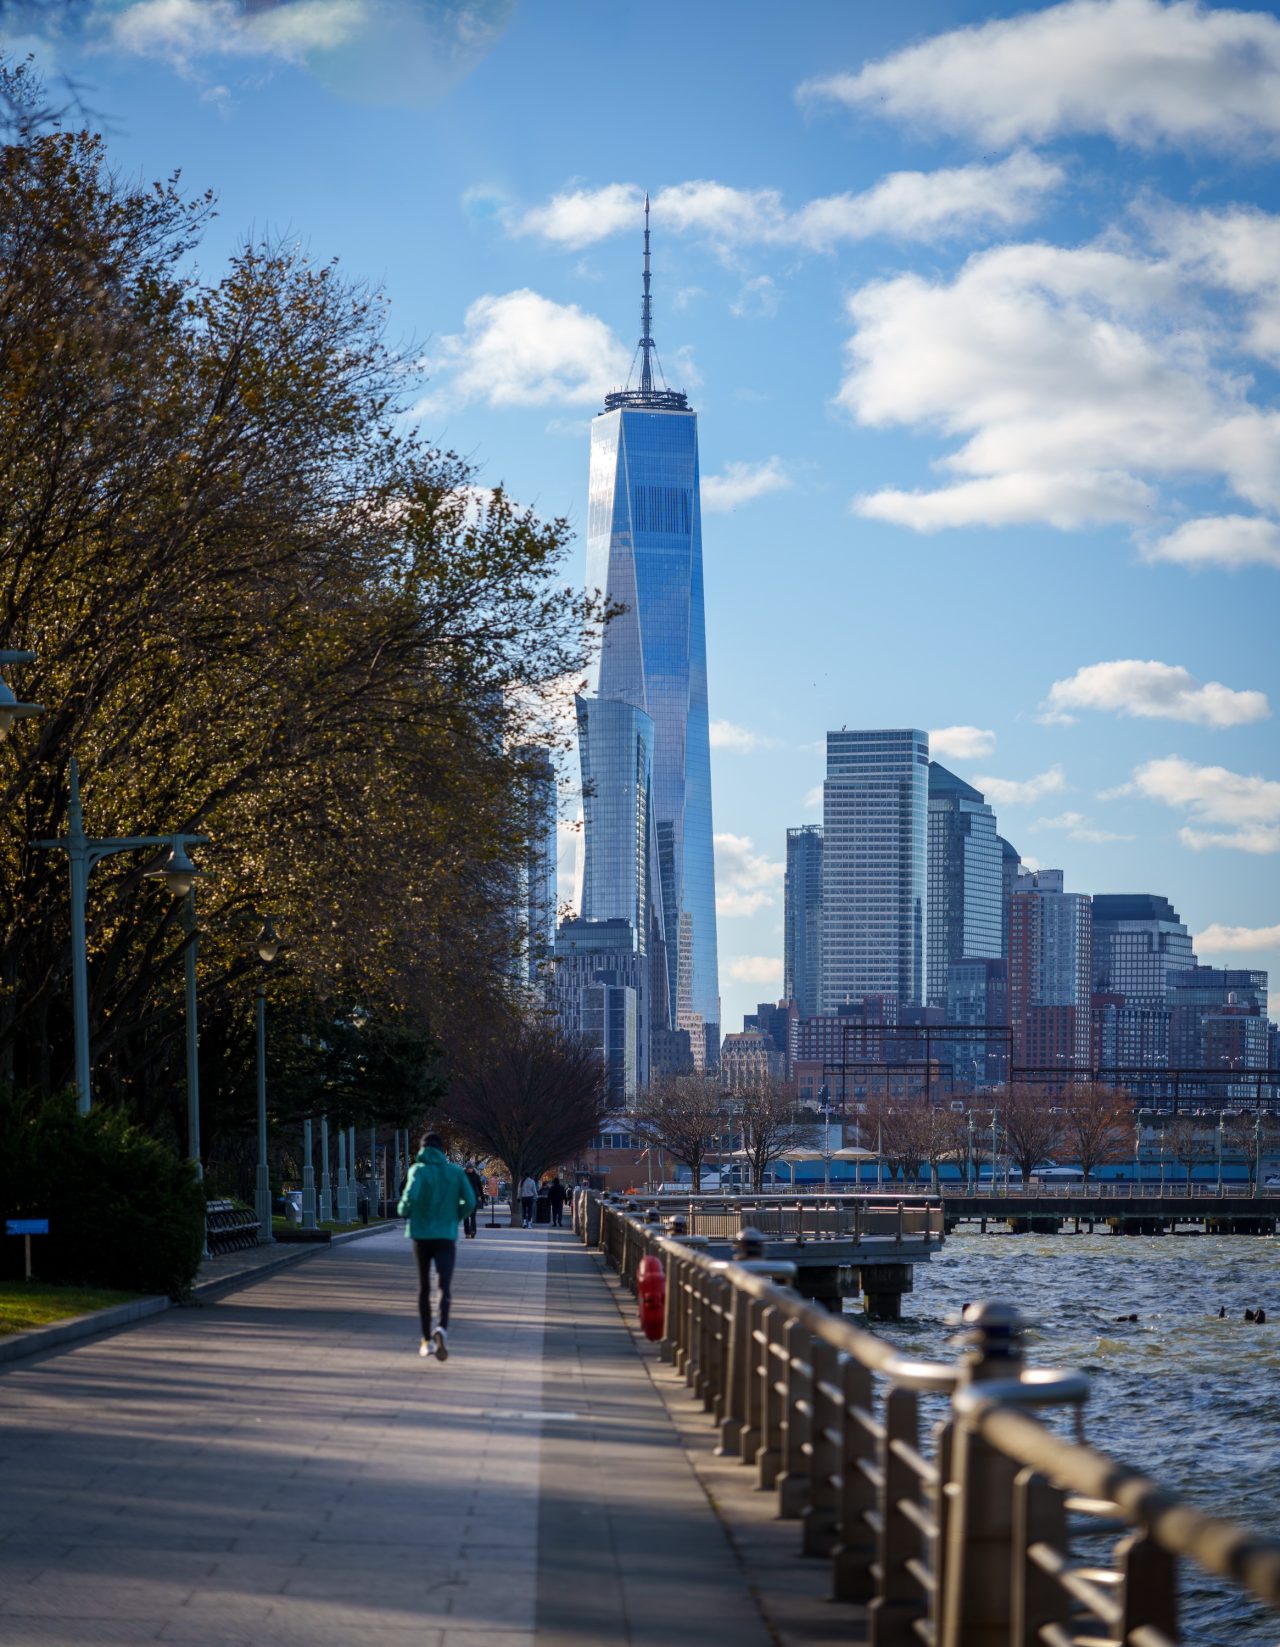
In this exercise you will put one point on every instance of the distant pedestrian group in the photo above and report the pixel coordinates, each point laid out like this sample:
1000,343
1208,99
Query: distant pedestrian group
531,1193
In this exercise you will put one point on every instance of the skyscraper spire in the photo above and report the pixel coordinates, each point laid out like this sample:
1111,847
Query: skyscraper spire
646,313
648,394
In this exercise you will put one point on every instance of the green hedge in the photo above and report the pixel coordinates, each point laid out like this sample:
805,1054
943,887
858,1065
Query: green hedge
124,1211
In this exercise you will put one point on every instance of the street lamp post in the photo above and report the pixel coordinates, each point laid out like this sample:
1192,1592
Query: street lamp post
268,947
342,1175
177,870
308,1179
326,1184
1257,1153
1222,1121
10,709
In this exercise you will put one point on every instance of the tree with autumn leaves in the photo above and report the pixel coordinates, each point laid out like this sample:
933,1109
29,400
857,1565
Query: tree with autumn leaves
266,610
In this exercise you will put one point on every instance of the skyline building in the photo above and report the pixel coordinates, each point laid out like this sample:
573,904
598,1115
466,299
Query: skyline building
644,551
802,918
875,811
1138,941
589,953
1050,973
965,865
536,879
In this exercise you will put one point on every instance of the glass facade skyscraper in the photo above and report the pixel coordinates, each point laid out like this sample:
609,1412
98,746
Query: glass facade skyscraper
802,918
1138,941
964,878
875,812
644,550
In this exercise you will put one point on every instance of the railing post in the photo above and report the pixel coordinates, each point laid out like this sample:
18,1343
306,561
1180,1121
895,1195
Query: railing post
769,1457
1150,1592
753,1418
977,1605
854,1553
797,1424
735,1391
1038,1518
821,1515
897,1604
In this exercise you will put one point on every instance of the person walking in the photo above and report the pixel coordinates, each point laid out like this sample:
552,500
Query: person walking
528,1200
557,1195
477,1189
436,1195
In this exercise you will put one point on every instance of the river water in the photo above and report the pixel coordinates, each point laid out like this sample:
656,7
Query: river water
1187,1398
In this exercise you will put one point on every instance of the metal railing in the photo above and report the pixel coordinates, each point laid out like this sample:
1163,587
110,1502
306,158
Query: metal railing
1113,1191
959,1538
852,1218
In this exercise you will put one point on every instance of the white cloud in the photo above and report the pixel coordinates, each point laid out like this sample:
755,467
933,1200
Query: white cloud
1232,541
743,483
903,205
755,969
1218,939
583,216
1249,805
381,51
180,30
1138,70
1153,691
1079,828
1022,791
522,349
813,799
1074,382
737,739
961,743
745,881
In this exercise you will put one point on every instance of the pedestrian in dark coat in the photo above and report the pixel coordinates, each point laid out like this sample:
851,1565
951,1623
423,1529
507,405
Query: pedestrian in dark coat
557,1196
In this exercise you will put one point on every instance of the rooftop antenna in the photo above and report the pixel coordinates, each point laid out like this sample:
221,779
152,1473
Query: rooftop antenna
648,396
646,313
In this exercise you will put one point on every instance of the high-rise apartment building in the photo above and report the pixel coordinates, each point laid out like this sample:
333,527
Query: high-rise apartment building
1138,941
875,813
978,1000
1218,1018
1050,973
536,881
644,550
965,914
802,918
1010,869
589,953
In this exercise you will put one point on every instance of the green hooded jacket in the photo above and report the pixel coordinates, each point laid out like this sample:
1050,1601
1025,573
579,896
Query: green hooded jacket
436,1195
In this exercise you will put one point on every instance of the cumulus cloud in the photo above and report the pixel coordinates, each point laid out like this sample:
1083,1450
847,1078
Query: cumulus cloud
523,349
1079,828
400,51
1247,804
1022,791
902,205
961,743
813,799
1137,70
737,739
745,880
755,969
1075,383
1218,939
743,483
1152,691
1231,541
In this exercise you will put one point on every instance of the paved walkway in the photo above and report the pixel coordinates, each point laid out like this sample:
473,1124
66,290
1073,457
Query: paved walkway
278,1467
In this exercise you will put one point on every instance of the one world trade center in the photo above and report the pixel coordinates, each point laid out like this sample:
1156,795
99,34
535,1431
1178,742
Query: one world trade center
644,550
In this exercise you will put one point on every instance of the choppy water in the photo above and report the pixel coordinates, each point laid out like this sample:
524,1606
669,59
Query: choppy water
1186,1398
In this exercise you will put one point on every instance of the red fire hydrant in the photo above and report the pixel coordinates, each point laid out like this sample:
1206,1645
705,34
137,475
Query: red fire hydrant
651,1292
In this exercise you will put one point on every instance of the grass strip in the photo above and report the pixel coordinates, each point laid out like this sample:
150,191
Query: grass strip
26,1304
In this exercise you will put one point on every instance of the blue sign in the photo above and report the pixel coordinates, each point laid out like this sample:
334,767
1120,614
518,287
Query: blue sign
26,1226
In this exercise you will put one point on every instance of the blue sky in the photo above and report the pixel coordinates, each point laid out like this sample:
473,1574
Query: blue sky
980,310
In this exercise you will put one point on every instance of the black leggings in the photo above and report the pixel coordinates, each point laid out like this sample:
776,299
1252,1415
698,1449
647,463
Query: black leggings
442,1254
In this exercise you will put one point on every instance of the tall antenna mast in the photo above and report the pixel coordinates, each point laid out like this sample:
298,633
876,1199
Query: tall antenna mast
647,396
646,313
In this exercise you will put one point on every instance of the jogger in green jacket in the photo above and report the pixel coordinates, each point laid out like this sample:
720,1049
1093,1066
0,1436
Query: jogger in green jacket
436,1196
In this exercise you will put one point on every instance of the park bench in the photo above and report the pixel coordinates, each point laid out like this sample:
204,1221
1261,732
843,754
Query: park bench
229,1228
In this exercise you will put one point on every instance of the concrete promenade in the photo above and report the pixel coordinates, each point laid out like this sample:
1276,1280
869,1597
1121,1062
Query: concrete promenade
278,1467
